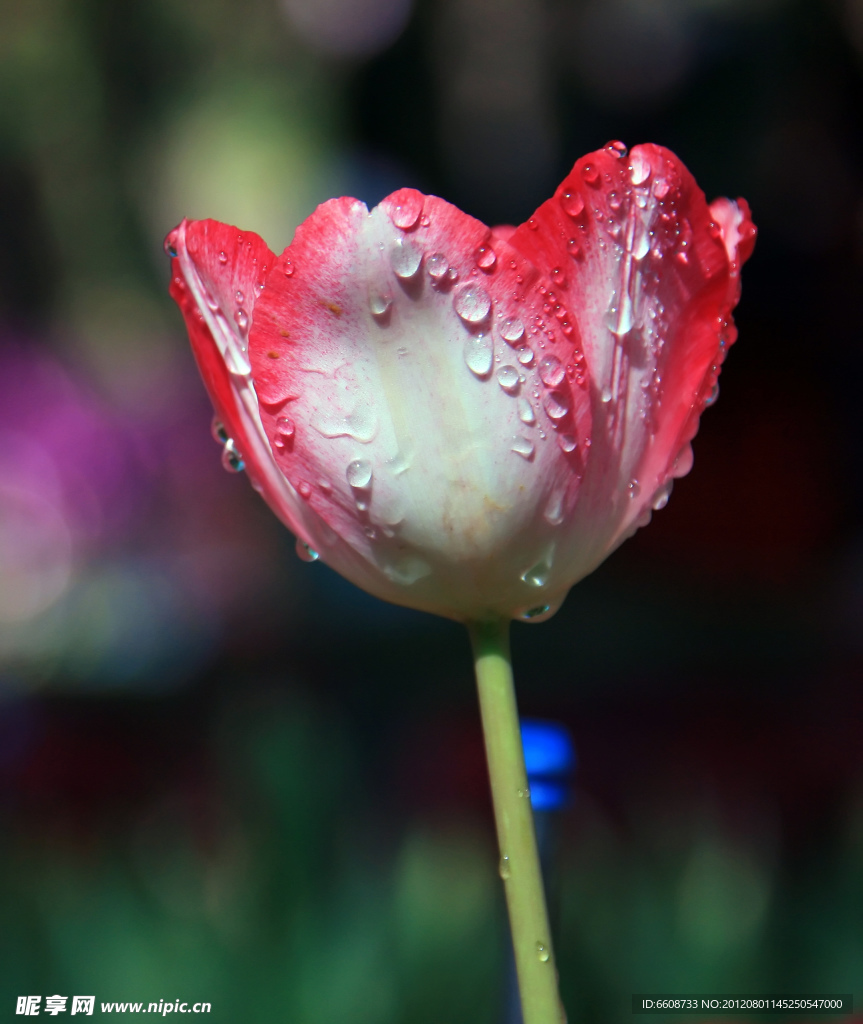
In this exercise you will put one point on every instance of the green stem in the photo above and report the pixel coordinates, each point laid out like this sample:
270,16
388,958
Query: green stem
520,870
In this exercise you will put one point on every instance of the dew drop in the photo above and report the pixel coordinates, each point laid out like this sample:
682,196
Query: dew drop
223,257
525,412
306,553
507,377
542,952
304,489
525,356
218,431
634,488
639,170
533,613
242,318
405,259
553,511
714,394
407,570
288,268
503,868
240,297
616,148
437,266
523,447
660,499
573,248
407,212
572,203
380,305
551,371
537,575
479,354
567,442
590,174
512,331
523,794
285,430
231,458
359,473
485,257
532,224
472,303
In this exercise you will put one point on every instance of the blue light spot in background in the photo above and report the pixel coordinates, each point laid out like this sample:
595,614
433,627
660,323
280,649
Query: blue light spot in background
549,756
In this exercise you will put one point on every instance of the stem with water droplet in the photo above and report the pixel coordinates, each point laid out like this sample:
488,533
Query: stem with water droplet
525,898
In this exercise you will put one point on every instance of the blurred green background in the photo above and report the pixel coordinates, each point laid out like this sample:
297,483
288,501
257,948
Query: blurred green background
226,775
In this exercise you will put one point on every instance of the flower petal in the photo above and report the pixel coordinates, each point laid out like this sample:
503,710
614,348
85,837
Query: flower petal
218,275
652,273
441,416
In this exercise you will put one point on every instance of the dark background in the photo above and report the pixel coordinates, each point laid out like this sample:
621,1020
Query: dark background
227,775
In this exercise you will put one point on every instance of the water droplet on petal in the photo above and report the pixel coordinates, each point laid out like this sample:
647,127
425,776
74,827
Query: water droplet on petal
304,489
231,458
534,613
503,868
359,472
590,174
523,447
660,499
616,148
573,248
551,371
361,425
553,511
218,431
525,356
405,259
572,203
407,570
223,257
486,257
714,394
532,224
240,297
437,266
634,488
537,575
472,303
567,442
306,553
285,429
525,412
380,304
512,331
288,268
507,377
407,212
542,952
555,405
639,169
479,354
242,318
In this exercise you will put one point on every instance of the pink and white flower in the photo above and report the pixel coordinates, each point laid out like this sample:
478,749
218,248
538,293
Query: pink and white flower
467,420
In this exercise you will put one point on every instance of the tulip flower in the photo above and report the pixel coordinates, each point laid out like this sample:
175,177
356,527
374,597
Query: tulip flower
468,420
